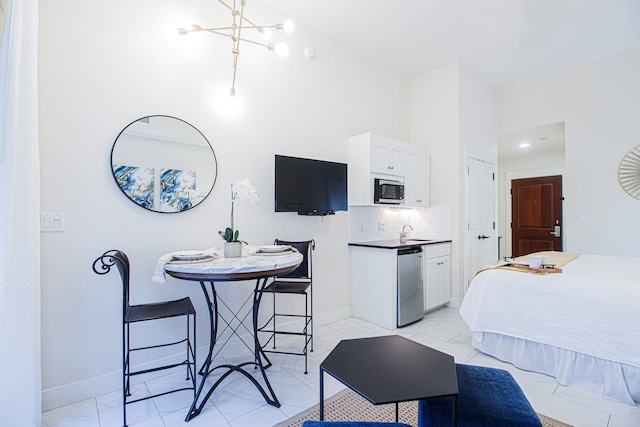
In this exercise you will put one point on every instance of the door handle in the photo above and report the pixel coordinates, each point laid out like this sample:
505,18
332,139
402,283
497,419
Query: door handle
483,237
556,231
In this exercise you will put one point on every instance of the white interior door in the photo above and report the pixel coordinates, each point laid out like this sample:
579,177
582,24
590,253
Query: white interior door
481,214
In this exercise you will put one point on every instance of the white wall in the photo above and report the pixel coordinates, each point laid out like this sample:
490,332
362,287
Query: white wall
102,65
479,139
435,125
598,101
450,108
435,122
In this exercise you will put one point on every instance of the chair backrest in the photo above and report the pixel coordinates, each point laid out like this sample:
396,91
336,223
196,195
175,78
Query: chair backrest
103,264
304,270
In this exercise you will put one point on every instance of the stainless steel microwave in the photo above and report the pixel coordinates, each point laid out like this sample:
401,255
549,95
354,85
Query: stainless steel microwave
387,192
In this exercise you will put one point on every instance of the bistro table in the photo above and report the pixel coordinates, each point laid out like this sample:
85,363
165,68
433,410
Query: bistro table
250,266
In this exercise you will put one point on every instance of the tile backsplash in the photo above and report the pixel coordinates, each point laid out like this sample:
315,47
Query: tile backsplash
377,223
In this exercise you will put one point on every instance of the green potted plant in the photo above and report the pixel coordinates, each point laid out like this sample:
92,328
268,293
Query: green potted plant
243,190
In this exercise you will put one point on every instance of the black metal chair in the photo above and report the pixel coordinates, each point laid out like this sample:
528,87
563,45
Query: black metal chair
297,282
144,312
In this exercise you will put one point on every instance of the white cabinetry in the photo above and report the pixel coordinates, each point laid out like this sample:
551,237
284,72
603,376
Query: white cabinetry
416,178
374,281
387,156
373,156
374,278
437,268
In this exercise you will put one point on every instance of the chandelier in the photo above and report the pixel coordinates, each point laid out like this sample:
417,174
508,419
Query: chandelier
236,33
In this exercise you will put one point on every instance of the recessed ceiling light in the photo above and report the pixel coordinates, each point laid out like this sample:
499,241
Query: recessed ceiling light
524,145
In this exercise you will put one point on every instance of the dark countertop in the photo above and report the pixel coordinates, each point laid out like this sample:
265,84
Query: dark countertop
395,243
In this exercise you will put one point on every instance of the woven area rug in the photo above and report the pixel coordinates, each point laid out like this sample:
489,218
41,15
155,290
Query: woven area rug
349,406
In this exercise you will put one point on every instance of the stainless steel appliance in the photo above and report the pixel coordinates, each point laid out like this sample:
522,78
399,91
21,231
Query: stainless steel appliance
388,192
410,285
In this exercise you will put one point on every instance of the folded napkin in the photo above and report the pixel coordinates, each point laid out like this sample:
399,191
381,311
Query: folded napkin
159,276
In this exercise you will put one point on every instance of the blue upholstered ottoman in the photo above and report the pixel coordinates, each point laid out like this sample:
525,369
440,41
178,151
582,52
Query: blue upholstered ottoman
486,397
351,424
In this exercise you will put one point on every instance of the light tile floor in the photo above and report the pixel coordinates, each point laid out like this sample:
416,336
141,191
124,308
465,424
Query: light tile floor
236,403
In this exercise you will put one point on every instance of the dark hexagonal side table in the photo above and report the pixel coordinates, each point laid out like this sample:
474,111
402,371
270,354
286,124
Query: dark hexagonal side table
391,369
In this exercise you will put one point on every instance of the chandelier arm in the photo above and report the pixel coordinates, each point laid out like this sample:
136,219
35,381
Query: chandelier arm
233,81
275,26
236,47
255,42
227,6
219,33
209,29
239,21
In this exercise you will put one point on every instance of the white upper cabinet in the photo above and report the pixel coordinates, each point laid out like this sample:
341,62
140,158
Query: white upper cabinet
387,156
416,179
373,156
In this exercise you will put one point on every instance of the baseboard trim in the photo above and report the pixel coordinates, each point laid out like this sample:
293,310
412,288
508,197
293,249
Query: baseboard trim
454,303
110,382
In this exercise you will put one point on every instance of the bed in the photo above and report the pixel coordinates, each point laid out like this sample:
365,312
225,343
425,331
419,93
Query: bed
581,326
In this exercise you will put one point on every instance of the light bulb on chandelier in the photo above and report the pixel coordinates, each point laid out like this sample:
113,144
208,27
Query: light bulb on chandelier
239,22
288,26
281,49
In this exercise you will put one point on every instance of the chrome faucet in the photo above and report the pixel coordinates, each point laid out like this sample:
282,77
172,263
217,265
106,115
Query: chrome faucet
403,235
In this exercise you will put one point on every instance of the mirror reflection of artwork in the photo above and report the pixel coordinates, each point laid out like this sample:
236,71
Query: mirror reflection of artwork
3,15
177,190
137,183
174,149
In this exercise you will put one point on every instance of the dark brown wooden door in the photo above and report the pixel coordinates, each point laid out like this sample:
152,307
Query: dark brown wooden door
536,215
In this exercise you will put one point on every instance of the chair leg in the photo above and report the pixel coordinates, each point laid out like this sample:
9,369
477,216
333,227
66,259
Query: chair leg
194,349
311,309
306,331
188,349
125,369
191,364
274,321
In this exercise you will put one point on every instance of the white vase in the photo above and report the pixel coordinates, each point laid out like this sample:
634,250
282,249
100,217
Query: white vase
232,249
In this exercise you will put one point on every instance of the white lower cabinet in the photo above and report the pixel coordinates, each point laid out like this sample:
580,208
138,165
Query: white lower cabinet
374,278
374,281
437,272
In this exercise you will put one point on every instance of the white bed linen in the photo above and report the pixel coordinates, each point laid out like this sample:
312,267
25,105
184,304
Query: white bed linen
582,325
614,380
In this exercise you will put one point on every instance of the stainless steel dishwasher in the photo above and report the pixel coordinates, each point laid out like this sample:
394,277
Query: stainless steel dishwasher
410,285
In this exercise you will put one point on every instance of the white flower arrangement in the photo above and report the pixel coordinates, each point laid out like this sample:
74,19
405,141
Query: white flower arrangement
243,190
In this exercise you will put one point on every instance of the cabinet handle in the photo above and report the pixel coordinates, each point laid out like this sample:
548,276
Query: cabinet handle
389,167
419,201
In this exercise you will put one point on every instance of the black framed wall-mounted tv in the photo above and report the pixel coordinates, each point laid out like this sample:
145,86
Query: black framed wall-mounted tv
310,187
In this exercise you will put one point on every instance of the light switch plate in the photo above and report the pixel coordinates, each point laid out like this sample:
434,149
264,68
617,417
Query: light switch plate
585,217
51,221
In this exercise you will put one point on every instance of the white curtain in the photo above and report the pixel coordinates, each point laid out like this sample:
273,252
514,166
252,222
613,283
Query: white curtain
20,382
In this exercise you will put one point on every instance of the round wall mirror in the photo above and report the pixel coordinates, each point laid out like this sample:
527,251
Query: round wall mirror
163,164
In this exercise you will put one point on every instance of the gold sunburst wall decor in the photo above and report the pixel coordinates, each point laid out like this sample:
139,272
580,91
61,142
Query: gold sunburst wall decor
629,173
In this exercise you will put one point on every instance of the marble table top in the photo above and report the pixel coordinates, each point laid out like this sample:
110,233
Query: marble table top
251,264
